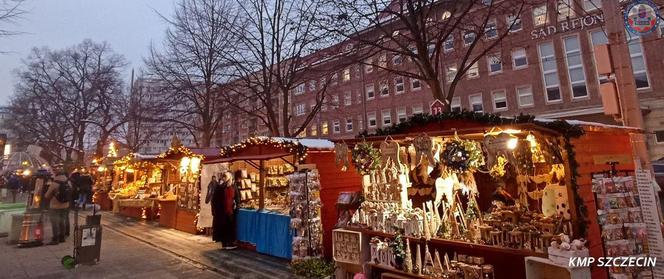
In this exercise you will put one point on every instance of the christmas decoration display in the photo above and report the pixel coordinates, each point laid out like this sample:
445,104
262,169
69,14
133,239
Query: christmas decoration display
462,155
296,148
366,158
305,214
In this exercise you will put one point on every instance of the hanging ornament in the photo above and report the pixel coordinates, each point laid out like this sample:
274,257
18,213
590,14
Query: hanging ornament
341,156
424,147
389,153
366,158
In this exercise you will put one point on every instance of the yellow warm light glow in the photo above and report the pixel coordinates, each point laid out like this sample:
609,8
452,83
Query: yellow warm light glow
26,172
195,164
129,170
512,143
101,169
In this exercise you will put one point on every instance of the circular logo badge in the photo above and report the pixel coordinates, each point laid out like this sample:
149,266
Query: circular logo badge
641,17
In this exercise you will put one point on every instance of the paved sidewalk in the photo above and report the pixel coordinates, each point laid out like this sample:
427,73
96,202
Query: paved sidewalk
200,249
121,257
138,249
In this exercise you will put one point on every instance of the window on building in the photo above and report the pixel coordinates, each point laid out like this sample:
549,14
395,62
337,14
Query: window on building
524,95
473,71
335,101
591,5
368,66
312,85
398,85
324,128
417,109
456,104
519,58
358,97
299,109
348,98
382,61
299,89
540,16
313,130
659,136
565,10
336,127
387,118
371,118
495,63
451,72
638,62
598,37
415,84
346,74
476,103
335,79
491,29
514,22
349,125
549,72
577,76
499,100
448,45
370,91
446,15
401,114
468,37
397,59
384,88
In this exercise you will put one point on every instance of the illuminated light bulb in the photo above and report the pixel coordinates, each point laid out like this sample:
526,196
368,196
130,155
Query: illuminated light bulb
26,172
512,143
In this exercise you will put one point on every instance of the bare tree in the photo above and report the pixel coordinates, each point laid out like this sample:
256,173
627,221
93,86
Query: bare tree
140,109
191,66
10,12
64,95
272,58
429,36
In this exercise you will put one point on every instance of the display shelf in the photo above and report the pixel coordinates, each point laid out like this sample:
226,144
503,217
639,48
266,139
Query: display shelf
396,271
454,243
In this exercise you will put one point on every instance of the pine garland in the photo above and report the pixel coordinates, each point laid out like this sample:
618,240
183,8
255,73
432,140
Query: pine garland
365,158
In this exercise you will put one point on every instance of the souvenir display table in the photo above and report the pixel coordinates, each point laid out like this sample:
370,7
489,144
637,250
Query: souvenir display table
470,195
269,231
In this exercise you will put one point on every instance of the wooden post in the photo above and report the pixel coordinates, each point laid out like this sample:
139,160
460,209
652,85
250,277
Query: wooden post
261,185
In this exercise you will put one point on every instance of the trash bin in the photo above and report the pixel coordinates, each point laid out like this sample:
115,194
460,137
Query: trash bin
15,229
32,230
87,244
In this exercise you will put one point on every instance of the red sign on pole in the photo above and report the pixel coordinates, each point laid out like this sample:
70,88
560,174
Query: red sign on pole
437,107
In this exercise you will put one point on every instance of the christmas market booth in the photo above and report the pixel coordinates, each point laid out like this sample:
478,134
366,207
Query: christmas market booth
470,195
181,202
288,193
137,186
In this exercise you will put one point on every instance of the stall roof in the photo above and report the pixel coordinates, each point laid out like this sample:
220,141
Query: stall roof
308,143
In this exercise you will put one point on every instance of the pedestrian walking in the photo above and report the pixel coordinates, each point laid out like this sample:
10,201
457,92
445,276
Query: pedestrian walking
85,183
13,185
59,194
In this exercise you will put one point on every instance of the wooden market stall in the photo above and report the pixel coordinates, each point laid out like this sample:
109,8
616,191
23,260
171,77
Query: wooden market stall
469,195
181,178
137,186
289,190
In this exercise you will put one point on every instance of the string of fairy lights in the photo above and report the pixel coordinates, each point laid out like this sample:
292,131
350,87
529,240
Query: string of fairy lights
299,150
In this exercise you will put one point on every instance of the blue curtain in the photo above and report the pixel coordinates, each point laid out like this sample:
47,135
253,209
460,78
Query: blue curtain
269,231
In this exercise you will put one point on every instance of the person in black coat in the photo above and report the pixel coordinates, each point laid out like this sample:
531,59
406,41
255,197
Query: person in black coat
224,199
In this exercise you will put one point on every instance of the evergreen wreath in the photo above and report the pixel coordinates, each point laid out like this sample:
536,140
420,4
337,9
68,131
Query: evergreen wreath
366,158
462,155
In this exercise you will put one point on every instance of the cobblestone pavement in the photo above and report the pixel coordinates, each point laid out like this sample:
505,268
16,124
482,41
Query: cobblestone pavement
136,249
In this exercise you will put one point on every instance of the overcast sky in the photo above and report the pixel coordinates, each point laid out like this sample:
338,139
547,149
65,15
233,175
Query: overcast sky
128,25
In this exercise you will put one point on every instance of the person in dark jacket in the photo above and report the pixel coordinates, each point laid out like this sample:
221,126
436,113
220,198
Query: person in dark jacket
225,200
13,185
85,183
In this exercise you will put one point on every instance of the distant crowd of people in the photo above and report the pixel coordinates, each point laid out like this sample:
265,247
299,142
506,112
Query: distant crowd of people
58,194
